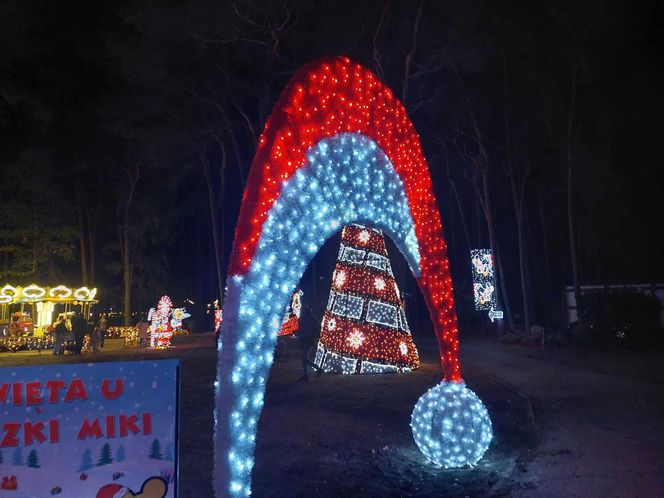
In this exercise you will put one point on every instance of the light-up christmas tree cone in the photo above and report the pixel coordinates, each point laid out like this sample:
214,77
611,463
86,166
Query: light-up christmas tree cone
364,328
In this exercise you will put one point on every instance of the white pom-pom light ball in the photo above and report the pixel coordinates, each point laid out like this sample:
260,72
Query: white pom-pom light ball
451,425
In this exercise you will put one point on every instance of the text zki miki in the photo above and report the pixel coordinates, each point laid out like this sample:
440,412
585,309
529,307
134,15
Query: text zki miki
57,391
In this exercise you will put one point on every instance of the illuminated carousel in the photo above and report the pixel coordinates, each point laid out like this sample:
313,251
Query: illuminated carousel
27,313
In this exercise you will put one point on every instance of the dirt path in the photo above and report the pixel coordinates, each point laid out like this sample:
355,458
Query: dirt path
600,434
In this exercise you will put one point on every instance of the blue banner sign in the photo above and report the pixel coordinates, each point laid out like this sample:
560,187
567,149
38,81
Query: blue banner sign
101,430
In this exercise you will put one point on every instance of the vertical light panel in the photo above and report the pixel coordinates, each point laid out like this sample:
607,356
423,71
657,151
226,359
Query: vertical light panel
484,282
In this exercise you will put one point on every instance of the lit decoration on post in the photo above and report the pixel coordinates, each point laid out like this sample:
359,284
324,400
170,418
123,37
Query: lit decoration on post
484,286
451,426
369,319
484,282
338,148
291,320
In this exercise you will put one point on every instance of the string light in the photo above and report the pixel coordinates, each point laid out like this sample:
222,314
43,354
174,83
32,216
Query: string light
338,148
35,293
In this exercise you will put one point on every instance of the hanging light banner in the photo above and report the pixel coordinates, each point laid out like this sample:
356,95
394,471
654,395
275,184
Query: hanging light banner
93,430
484,286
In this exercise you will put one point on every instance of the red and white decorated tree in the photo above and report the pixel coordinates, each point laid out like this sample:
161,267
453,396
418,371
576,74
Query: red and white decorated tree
364,328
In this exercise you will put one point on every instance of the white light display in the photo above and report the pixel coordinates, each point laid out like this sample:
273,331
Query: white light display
451,426
368,367
348,306
484,286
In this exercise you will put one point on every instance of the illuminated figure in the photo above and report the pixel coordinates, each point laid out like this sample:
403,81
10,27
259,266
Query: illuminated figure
291,321
161,330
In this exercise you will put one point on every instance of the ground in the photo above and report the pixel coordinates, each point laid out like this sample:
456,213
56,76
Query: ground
566,423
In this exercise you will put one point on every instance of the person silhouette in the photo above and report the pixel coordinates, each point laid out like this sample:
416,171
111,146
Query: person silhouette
307,338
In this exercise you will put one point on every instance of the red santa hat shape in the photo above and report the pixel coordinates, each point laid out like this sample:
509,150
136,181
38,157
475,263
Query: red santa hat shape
112,491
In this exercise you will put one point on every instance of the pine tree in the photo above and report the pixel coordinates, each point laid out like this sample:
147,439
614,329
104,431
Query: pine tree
120,454
33,459
86,461
170,450
364,328
17,457
155,450
105,456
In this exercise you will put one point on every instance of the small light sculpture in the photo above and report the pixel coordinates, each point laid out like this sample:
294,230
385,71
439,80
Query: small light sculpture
451,426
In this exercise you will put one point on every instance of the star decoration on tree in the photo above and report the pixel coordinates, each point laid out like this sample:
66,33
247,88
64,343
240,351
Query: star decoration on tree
355,339
340,278
364,236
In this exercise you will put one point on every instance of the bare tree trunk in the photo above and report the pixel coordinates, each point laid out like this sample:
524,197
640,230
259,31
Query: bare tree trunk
545,254
498,271
92,244
127,269
81,233
213,222
517,178
411,54
462,214
126,272
518,209
457,199
34,240
570,204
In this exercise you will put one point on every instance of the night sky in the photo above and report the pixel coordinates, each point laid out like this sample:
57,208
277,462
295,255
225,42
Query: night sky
129,127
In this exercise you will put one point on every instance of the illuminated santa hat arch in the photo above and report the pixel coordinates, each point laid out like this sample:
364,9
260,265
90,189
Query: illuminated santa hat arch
338,148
